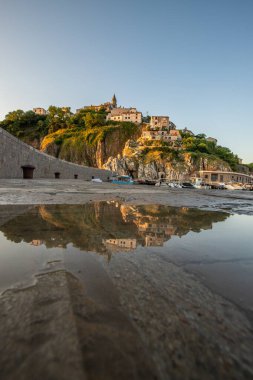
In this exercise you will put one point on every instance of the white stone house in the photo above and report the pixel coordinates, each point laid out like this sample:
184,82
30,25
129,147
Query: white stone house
159,122
160,130
125,114
39,111
212,139
168,136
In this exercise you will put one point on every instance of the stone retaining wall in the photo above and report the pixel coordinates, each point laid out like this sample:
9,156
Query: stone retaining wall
14,154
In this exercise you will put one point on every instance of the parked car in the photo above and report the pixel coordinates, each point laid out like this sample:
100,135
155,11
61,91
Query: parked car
218,186
188,185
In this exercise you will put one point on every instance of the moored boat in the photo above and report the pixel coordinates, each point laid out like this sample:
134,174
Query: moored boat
122,180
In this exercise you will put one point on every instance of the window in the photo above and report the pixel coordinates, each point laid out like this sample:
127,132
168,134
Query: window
214,177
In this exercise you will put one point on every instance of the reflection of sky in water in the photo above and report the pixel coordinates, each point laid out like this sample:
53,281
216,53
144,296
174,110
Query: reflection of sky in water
222,257
19,261
216,246
225,241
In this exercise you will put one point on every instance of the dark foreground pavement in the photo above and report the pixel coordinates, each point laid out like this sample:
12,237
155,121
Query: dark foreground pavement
121,322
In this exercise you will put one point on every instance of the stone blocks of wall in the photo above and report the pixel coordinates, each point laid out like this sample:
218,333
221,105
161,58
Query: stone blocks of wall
14,154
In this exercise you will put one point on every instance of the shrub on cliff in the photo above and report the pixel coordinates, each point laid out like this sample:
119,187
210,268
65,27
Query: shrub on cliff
200,145
80,144
58,118
27,126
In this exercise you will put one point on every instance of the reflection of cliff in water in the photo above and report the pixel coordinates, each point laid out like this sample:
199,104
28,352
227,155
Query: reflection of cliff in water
106,226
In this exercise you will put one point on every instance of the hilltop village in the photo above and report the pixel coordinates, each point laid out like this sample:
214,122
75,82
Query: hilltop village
122,140
159,128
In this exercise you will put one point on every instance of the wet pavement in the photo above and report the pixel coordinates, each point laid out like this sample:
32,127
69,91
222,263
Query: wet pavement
107,290
36,192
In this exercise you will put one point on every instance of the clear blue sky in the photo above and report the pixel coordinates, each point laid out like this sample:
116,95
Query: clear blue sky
189,59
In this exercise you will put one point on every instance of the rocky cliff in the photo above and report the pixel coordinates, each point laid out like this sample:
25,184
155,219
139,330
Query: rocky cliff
156,164
116,152
91,150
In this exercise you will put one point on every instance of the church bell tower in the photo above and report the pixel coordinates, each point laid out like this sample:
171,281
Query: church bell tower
114,101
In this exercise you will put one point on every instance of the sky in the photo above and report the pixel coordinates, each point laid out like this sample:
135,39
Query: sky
189,59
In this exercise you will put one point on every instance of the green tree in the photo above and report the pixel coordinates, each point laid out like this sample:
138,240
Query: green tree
25,125
202,147
94,120
189,144
250,167
226,155
58,118
78,119
201,136
14,116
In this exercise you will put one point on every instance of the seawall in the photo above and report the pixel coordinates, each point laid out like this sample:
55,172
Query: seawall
14,154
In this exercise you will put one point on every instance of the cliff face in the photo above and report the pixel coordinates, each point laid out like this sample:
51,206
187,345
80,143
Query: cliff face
114,151
179,167
110,147
76,149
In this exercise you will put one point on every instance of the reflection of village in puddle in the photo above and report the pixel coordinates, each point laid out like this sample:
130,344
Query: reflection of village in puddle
151,230
106,227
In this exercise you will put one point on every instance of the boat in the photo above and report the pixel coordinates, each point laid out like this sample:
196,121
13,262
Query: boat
248,187
96,180
233,186
122,180
145,181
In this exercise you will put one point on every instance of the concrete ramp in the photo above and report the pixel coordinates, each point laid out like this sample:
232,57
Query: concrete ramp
14,154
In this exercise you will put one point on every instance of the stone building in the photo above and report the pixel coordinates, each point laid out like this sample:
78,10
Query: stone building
212,139
156,232
215,177
159,130
37,243
175,135
122,243
125,114
155,135
159,122
154,241
188,131
108,106
242,169
39,111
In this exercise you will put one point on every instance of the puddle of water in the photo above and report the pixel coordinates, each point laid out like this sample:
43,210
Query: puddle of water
214,245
